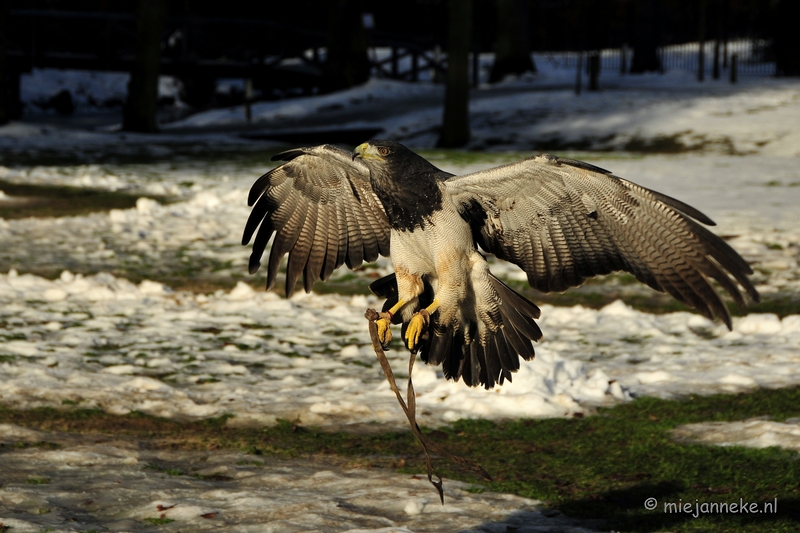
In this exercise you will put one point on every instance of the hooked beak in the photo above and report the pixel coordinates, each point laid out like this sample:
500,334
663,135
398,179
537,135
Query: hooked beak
360,149
365,151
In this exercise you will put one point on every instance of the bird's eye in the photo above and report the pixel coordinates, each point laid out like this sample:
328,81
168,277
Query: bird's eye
383,151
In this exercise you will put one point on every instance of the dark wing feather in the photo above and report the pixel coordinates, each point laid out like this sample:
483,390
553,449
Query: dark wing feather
321,208
563,221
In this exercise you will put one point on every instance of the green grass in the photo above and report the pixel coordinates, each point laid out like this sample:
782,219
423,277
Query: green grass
62,200
602,466
158,521
606,466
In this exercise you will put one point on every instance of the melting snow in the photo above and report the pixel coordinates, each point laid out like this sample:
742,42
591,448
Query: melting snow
104,342
754,433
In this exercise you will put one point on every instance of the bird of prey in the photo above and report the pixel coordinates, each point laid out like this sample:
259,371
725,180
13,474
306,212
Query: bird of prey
560,220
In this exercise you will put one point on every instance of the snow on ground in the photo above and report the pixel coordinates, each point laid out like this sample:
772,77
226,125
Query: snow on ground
46,490
756,116
668,112
752,198
753,433
90,91
104,342
374,92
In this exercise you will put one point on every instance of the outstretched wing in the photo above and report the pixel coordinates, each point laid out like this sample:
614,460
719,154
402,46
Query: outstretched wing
563,221
322,209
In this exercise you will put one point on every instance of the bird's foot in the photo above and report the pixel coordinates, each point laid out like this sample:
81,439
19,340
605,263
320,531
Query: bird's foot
384,331
416,327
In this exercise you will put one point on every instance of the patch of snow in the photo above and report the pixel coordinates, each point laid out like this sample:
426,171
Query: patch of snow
91,91
753,433
108,343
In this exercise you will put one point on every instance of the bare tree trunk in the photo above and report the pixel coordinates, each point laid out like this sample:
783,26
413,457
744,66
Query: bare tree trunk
140,108
455,126
347,62
512,53
645,44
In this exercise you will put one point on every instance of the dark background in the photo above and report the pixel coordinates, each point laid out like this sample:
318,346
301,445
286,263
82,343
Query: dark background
279,27
201,41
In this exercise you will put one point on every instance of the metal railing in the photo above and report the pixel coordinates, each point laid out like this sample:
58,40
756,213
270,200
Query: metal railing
754,58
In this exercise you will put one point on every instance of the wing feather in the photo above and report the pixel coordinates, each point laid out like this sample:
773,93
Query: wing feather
355,244
316,256
321,209
299,255
285,240
563,221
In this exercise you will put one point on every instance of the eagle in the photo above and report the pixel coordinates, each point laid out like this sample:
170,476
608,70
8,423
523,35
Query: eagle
560,220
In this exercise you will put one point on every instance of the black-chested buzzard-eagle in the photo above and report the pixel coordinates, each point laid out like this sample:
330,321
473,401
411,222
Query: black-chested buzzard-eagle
560,220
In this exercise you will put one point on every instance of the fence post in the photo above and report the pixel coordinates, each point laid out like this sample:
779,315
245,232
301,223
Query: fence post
414,66
436,75
734,67
715,71
248,99
394,62
725,54
623,62
476,73
578,76
594,71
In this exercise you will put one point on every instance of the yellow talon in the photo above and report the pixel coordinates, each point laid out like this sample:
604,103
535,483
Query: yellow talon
415,328
418,323
384,332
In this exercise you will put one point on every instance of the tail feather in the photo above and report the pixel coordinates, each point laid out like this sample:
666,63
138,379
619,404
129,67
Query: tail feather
491,360
508,362
496,360
473,372
459,353
440,346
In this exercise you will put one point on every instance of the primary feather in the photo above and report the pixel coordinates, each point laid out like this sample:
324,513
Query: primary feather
321,208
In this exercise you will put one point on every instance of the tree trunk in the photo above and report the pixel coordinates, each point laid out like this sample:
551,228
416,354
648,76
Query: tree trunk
787,38
645,43
347,62
139,113
455,126
512,53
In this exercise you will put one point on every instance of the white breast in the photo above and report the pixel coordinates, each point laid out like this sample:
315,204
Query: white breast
447,236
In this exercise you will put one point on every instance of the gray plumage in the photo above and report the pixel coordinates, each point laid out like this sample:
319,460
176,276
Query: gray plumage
562,221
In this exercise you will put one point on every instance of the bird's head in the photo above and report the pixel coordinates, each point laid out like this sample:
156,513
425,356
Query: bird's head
390,160
376,152
405,182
